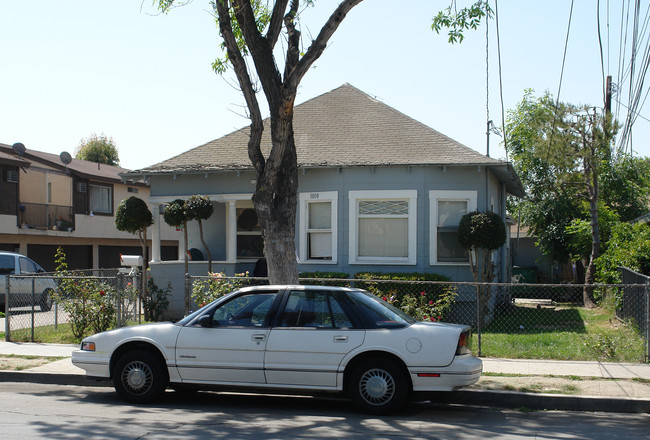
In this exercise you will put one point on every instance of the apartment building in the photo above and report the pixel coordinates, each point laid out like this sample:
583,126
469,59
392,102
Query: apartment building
49,200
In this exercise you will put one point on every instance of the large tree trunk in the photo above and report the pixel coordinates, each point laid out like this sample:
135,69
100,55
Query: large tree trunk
275,201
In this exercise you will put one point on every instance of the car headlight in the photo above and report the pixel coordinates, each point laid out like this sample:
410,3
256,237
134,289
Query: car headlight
87,346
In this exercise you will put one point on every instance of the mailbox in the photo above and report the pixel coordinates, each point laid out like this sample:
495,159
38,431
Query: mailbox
131,260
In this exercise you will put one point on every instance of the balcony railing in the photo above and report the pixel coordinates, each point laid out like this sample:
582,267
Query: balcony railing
41,216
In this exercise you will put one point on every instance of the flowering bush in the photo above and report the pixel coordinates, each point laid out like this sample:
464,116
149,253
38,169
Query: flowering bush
204,291
423,306
90,304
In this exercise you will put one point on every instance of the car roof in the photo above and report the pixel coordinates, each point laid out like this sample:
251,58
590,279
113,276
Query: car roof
275,287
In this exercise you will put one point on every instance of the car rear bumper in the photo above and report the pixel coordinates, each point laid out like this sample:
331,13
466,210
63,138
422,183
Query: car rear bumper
463,371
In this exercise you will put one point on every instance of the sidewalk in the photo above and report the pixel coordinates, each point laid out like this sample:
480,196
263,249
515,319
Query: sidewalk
602,386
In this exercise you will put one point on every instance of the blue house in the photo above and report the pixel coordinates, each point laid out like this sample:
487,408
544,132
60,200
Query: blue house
378,191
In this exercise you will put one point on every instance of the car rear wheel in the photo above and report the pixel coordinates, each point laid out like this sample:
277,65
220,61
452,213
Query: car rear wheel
46,301
378,386
139,377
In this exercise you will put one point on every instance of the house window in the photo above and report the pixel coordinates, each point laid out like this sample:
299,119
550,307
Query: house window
49,192
12,176
446,210
249,232
318,232
101,199
383,227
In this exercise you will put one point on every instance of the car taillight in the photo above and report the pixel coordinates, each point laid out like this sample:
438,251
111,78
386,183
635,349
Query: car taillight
464,343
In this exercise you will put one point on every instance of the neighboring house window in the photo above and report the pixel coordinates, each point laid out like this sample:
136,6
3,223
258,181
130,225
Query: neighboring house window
318,214
12,176
446,210
383,227
101,198
49,192
249,232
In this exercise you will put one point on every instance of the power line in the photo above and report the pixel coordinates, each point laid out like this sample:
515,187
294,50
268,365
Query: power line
503,112
559,88
600,45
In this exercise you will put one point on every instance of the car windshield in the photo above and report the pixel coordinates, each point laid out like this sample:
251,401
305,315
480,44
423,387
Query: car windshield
382,313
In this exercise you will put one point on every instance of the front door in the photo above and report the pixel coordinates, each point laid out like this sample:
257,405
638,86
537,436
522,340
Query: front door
232,349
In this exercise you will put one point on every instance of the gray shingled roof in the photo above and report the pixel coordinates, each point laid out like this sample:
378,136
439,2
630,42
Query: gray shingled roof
342,128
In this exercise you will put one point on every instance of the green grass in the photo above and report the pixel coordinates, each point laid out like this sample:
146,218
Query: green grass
48,334
62,334
562,333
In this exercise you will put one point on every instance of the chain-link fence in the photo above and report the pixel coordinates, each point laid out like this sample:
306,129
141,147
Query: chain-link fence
535,321
86,300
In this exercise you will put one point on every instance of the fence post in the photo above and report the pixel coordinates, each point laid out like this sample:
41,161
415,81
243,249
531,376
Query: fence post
120,297
141,295
187,293
7,312
647,320
33,305
478,317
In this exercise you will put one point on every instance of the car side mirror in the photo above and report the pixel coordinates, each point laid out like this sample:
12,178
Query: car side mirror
205,321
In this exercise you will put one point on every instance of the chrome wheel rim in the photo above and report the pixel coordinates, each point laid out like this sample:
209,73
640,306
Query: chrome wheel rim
137,377
377,387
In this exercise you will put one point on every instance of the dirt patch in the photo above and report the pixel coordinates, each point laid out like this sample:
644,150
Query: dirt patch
23,362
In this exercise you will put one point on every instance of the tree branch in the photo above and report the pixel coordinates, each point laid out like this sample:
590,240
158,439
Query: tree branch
261,52
293,46
275,25
319,44
241,71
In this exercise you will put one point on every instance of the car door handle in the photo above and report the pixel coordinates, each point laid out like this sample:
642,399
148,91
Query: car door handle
340,339
259,337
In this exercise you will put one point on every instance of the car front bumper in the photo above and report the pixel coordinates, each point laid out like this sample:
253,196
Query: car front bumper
96,366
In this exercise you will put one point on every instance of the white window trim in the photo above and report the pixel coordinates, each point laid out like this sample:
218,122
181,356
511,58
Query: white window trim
322,196
110,197
454,196
354,197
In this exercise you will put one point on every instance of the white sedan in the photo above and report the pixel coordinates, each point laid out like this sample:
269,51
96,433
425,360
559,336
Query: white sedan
293,338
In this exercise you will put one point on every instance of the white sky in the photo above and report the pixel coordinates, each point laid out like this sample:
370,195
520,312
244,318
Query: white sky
75,67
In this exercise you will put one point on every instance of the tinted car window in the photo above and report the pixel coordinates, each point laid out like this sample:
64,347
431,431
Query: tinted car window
382,314
6,264
27,266
318,309
249,310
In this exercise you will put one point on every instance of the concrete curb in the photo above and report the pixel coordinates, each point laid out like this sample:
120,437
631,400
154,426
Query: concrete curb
535,401
487,398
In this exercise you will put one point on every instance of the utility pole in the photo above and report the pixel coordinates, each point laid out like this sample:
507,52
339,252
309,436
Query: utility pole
608,95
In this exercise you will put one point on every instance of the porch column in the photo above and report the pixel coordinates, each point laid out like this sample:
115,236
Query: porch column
231,231
95,250
155,233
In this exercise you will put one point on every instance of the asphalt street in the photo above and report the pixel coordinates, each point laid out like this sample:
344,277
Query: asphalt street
38,411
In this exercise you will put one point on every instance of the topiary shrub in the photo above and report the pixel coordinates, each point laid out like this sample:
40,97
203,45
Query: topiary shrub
200,208
481,230
482,233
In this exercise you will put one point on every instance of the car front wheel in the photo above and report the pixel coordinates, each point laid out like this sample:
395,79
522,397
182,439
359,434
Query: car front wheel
139,377
378,386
